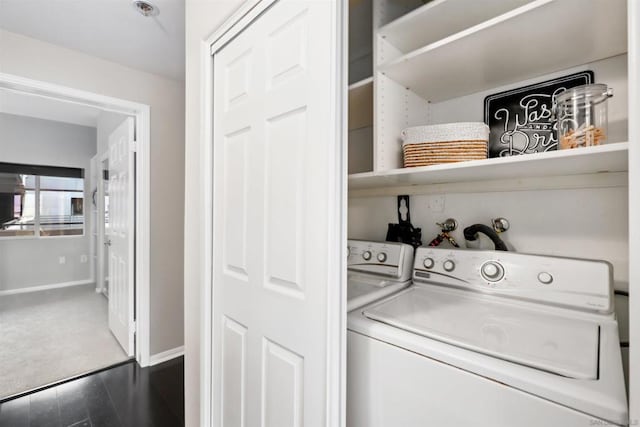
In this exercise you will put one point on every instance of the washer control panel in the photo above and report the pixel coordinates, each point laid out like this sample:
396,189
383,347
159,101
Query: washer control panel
492,271
575,283
381,258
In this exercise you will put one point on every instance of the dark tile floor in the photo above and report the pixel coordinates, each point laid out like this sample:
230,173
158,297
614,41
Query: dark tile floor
123,396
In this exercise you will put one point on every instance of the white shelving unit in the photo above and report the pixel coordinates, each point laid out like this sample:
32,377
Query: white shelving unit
360,40
435,54
590,160
361,86
365,17
438,19
361,104
502,50
361,126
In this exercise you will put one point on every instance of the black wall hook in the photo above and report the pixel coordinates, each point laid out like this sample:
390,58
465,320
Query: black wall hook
404,231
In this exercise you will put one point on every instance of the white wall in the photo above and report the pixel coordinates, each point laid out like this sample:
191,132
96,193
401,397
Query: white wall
597,228
27,262
31,58
203,17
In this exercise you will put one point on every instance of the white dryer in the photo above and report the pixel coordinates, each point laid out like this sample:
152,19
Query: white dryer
376,270
487,338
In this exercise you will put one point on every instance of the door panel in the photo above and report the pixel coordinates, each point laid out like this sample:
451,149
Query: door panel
282,386
283,203
120,234
287,50
235,215
234,347
276,165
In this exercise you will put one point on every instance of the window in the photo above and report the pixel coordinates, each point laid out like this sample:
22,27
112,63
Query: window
41,201
61,211
17,204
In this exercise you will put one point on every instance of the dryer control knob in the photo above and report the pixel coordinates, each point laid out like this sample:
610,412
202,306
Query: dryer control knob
366,255
449,265
492,271
382,257
428,263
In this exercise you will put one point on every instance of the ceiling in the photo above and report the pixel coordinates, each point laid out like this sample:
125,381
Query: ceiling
109,29
22,104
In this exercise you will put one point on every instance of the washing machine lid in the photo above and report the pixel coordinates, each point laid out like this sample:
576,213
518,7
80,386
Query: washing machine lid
365,290
548,340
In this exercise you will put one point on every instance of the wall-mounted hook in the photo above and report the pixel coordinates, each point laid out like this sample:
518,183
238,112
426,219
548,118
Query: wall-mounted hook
404,231
448,225
500,225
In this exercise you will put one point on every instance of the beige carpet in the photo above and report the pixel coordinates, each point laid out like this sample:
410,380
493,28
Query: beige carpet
48,336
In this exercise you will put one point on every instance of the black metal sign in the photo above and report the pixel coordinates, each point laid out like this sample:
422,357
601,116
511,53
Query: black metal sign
520,120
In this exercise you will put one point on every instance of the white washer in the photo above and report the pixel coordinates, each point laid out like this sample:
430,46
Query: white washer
376,270
489,338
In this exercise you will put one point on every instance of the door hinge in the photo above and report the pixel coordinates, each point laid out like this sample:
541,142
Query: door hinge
134,146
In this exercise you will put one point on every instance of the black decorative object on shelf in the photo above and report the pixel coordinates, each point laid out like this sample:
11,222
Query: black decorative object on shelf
520,120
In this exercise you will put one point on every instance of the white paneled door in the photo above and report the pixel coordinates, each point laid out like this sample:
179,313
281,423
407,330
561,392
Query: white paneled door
120,234
277,244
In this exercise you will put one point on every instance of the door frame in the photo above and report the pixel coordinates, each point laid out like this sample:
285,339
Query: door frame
142,114
336,366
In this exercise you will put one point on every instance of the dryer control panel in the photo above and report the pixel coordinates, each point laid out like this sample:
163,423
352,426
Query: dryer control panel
575,283
381,258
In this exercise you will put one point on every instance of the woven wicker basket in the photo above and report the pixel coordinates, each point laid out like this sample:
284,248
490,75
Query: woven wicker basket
446,143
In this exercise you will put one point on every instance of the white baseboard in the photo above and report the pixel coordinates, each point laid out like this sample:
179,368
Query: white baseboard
45,287
165,356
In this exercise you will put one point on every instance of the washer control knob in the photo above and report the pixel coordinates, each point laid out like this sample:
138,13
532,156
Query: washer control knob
382,257
545,278
366,255
492,271
449,265
428,263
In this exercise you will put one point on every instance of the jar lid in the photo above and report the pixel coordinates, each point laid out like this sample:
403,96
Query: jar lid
585,94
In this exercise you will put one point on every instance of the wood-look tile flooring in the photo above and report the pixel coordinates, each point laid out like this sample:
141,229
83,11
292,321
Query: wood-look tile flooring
123,396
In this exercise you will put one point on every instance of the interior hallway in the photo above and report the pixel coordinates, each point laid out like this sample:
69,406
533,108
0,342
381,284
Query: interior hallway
47,336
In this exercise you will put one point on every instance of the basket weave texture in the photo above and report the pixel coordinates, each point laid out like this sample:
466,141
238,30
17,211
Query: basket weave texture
445,143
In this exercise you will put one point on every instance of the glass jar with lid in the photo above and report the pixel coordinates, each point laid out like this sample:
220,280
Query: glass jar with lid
582,116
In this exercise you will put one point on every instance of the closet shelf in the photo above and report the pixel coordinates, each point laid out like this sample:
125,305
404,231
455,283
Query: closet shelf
439,19
361,83
605,158
520,44
361,104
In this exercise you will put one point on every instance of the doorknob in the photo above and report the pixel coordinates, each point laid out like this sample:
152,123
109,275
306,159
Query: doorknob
107,243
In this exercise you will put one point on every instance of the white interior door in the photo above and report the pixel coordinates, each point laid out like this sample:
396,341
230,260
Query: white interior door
103,224
278,241
120,234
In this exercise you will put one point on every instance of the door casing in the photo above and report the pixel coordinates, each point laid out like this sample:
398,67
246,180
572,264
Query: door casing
142,114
